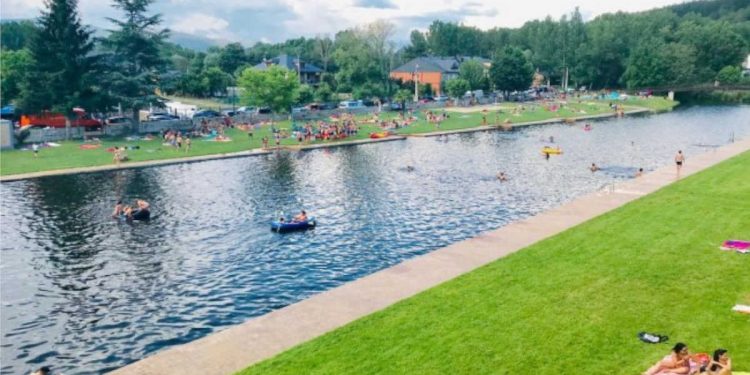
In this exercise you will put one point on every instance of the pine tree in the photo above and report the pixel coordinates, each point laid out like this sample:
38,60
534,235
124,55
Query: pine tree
62,75
136,60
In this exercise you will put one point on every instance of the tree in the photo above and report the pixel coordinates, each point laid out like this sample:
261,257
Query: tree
402,96
323,93
276,87
418,45
216,81
473,72
729,75
231,57
63,73
16,35
456,88
136,60
306,94
324,50
655,64
378,35
356,61
14,68
510,70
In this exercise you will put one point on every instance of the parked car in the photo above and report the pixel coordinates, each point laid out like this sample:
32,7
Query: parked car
351,104
369,103
264,110
230,113
299,110
395,106
162,117
441,98
119,120
426,99
206,113
246,110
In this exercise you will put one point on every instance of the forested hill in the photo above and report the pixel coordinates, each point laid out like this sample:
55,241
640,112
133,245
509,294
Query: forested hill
729,10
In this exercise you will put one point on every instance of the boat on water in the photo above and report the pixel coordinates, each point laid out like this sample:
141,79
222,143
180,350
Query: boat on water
290,226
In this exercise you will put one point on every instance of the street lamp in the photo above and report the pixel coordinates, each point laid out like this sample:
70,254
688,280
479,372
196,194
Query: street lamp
416,83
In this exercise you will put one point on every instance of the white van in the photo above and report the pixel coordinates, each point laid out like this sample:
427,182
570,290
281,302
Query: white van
351,104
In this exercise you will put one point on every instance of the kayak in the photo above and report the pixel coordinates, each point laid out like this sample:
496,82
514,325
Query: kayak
552,151
378,135
288,226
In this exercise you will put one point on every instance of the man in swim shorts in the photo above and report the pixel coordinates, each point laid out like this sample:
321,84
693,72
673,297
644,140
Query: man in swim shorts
679,159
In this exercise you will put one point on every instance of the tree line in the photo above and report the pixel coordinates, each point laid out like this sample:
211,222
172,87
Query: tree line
696,42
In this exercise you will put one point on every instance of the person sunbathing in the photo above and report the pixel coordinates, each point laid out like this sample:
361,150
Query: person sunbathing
676,363
721,364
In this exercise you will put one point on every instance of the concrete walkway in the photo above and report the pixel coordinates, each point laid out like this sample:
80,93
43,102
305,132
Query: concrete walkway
237,347
509,126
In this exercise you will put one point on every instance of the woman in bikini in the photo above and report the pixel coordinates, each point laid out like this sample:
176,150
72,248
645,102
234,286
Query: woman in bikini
676,363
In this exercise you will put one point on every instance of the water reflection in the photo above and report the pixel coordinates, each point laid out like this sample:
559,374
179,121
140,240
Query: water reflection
87,293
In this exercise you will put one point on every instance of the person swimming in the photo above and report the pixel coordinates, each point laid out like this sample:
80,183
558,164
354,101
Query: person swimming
502,177
118,210
639,173
593,167
142,210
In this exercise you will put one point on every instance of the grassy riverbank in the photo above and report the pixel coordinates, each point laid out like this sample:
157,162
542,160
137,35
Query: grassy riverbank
70,155
571,304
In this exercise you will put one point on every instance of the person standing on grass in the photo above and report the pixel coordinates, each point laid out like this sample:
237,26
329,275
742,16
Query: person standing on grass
265,142
188,143
116,157
35,148
679,159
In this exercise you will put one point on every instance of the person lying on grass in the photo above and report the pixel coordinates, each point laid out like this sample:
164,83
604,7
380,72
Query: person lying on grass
676,363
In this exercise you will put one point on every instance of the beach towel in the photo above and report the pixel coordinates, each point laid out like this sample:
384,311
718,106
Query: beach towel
740,246
745,309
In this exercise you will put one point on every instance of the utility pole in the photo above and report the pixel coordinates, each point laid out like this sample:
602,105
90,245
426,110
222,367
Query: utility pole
416,83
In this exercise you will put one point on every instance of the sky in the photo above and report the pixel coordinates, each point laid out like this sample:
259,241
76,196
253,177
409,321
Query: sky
250,21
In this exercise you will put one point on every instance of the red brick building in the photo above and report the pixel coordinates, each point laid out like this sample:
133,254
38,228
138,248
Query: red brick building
433,70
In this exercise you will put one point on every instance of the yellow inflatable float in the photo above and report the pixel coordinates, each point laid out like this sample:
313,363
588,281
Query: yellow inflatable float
551,151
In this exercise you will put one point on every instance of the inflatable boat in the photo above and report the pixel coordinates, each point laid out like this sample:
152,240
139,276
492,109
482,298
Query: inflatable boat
378,135
551,151
289,226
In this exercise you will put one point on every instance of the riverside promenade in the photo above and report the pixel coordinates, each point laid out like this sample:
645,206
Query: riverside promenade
260,338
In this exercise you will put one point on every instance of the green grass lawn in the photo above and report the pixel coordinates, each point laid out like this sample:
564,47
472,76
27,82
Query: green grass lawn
70,156
571,304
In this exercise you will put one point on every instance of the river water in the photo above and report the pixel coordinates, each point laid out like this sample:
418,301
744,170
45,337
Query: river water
84,293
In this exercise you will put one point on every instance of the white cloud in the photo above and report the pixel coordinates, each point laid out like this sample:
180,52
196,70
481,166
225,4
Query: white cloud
203,25
253,20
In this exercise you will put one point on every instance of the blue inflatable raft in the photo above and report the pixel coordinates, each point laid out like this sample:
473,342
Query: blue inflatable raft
288,226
